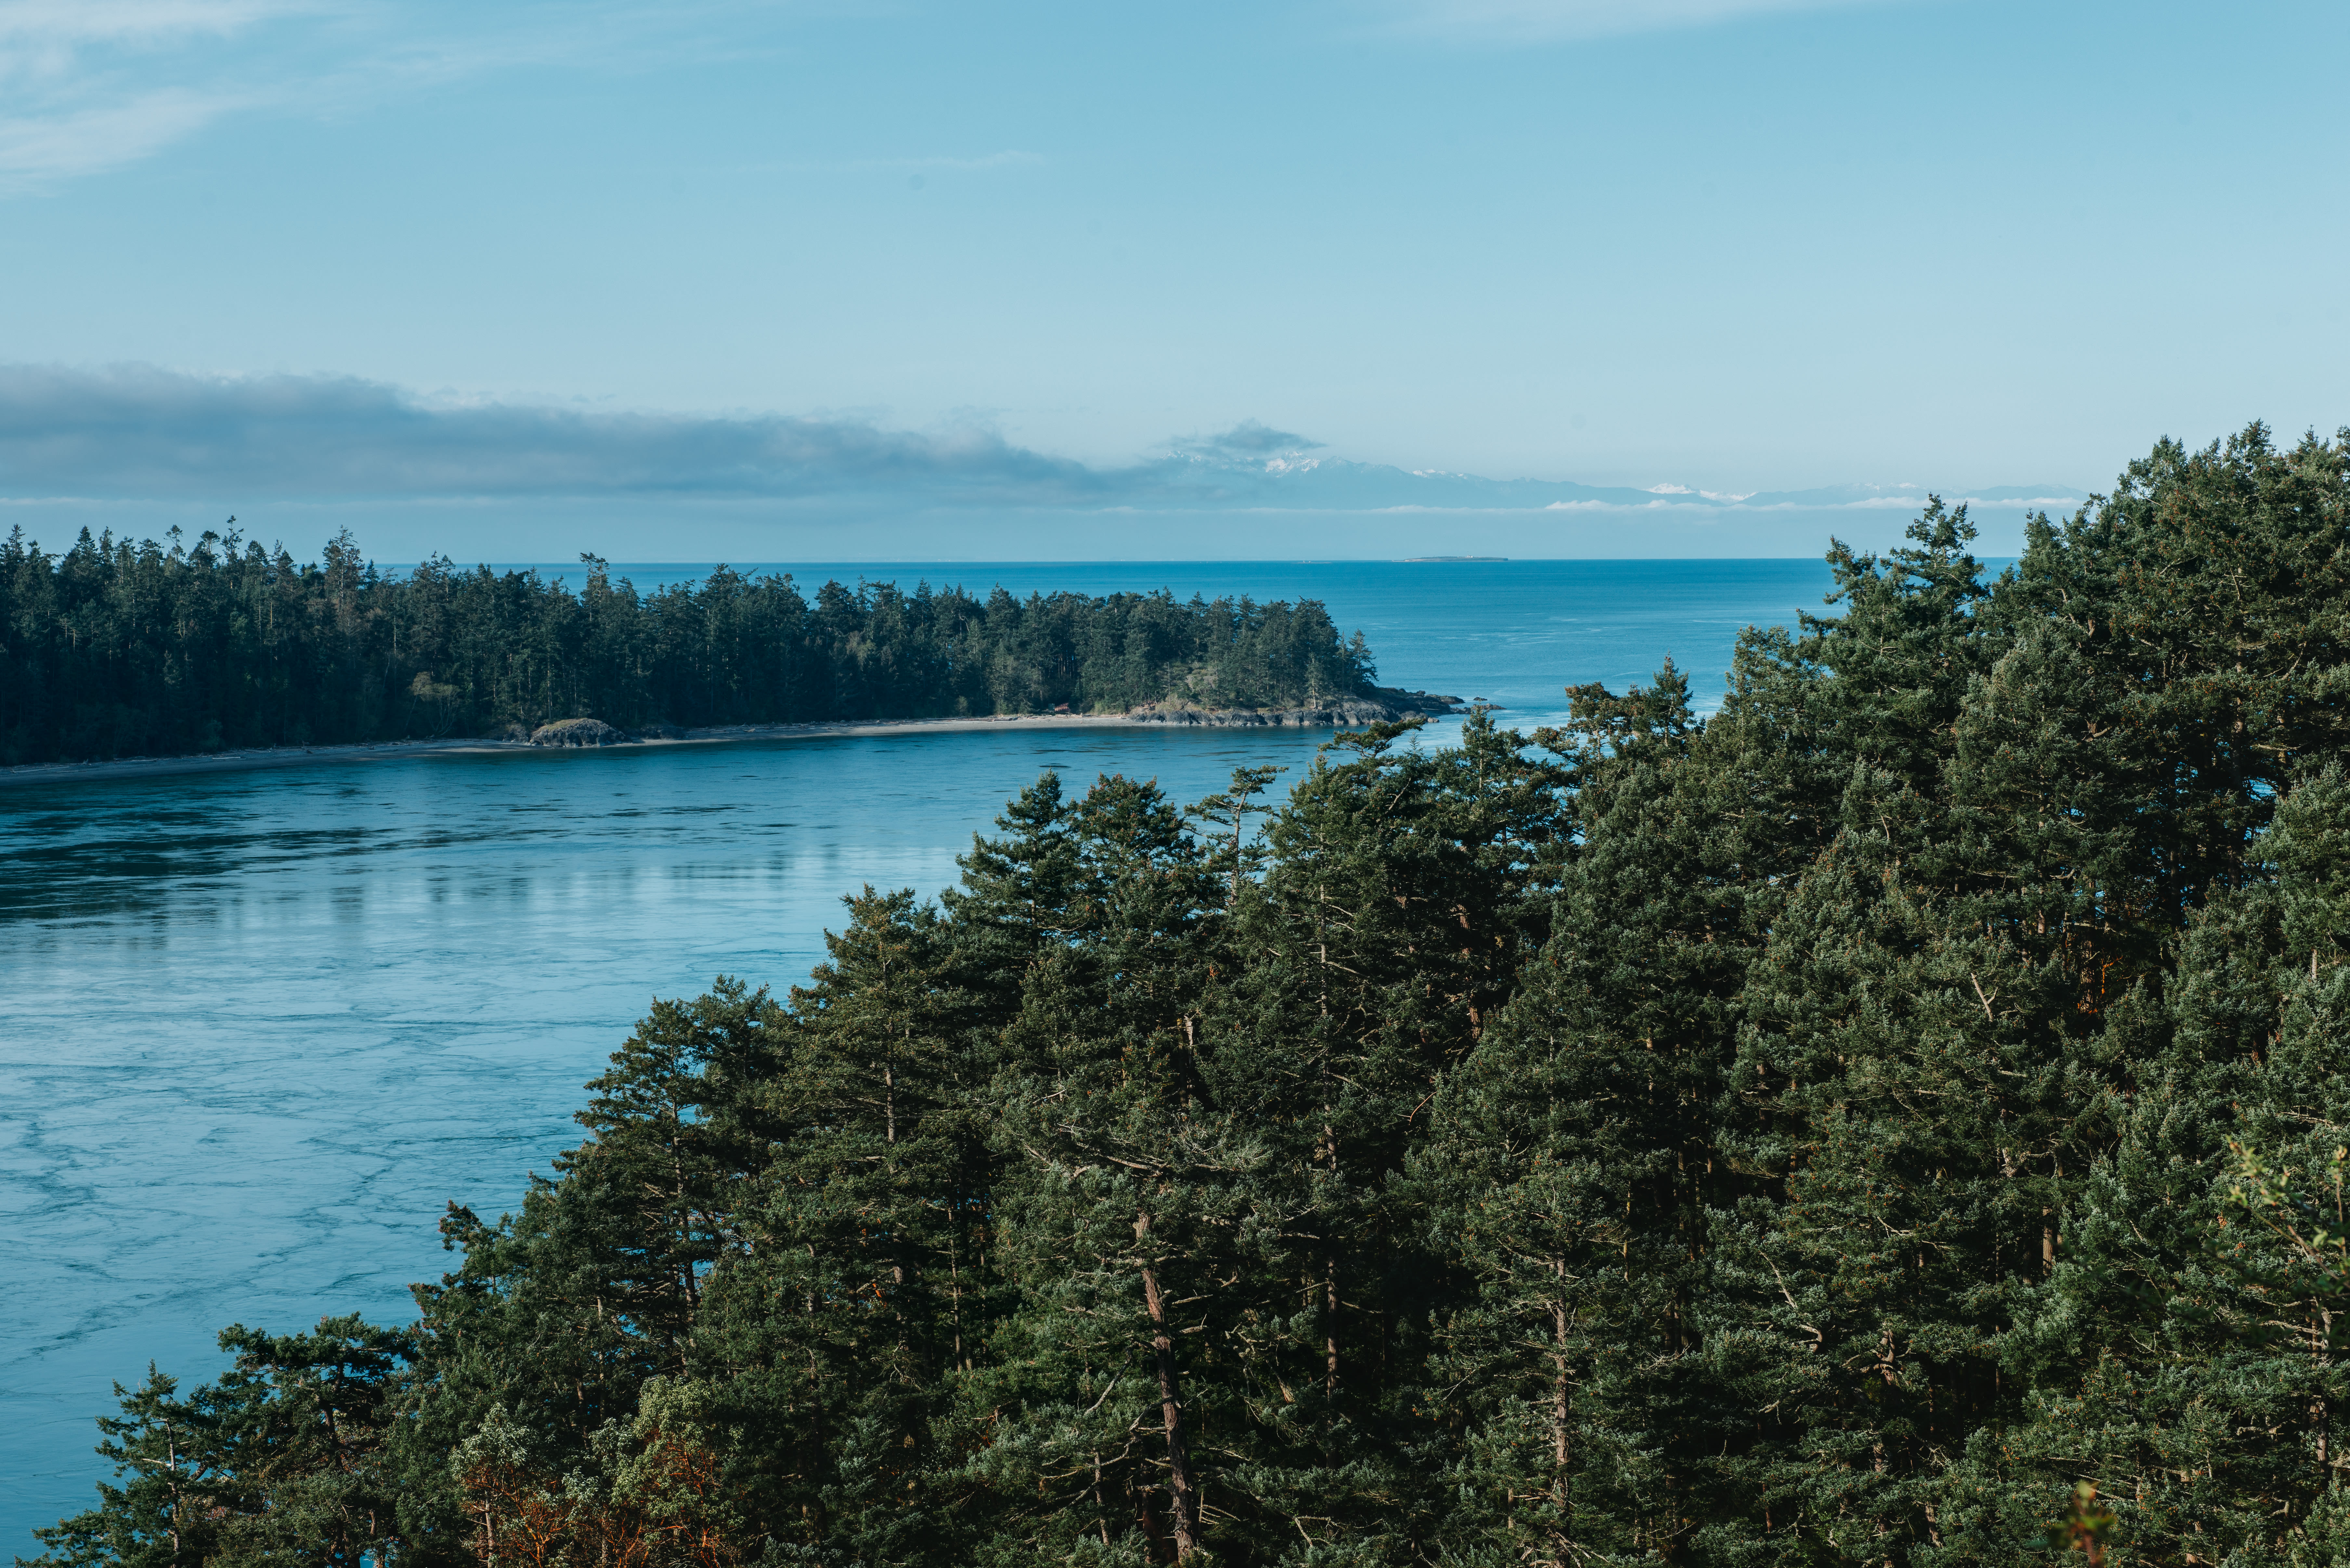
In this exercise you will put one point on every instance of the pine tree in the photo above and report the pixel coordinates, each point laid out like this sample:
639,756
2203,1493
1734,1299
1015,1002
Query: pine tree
1127,1216
1398,909
858,1295
285,1460
1014,903
312,1436
2181,1355
179,1488
1566,1166
1904,1096
561,1314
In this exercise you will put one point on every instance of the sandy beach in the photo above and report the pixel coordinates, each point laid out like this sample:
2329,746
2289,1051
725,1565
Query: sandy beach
294,756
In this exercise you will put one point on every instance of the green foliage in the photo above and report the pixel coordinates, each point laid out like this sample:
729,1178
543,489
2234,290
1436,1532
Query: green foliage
114,647
1896,1119
285,1460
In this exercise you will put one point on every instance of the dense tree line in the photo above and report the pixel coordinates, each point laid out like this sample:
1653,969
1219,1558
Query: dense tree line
1899,1118
114,649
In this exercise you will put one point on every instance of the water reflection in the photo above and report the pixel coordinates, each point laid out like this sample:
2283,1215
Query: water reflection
258,1028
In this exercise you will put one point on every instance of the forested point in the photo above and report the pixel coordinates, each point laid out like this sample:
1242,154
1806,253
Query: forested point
1897,1119
114,650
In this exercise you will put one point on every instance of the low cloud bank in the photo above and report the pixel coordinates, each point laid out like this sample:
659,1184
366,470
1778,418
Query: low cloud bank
143,433
137,433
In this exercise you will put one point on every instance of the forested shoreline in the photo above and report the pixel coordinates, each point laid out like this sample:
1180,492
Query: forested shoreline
1897,1119
115,649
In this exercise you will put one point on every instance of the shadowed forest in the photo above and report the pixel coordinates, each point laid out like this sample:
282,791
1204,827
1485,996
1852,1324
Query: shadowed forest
1898,1119
114,649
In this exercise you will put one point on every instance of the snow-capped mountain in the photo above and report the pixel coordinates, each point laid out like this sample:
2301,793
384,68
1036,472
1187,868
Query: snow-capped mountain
1297,478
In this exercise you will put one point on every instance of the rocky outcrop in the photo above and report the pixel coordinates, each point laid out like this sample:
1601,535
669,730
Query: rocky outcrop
577,733
1384,705
1427,703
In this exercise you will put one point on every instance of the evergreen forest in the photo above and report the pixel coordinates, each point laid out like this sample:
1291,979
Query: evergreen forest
115,649
1898,1117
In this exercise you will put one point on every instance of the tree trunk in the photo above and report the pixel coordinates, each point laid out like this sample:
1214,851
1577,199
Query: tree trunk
1559,1389
1180,1491
1330,1326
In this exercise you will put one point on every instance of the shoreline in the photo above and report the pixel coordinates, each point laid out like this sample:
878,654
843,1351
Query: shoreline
372,751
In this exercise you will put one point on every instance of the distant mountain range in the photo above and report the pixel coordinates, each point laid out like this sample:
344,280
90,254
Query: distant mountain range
1302,482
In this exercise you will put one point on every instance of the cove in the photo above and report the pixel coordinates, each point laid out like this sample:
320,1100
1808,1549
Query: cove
257,1029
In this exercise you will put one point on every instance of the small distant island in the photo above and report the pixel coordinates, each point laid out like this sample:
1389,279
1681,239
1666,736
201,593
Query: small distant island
1423,560
118,650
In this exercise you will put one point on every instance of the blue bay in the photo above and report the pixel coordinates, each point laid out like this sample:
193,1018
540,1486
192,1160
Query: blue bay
259,1027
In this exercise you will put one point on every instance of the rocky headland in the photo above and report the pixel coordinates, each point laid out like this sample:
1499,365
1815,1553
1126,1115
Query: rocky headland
1385,705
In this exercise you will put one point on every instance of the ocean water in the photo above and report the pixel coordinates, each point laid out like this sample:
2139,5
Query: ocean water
257,1028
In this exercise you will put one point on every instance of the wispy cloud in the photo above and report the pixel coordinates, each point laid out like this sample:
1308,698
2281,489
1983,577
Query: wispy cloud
1546,20
91,85
84,139
87,85
45,33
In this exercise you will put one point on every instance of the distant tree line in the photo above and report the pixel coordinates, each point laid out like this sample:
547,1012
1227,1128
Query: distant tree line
1901,1118
117,648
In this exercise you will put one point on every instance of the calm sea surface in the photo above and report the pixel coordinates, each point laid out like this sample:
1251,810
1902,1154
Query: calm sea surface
257,1028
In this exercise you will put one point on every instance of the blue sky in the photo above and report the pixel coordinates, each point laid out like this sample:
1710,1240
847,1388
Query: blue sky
680,280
